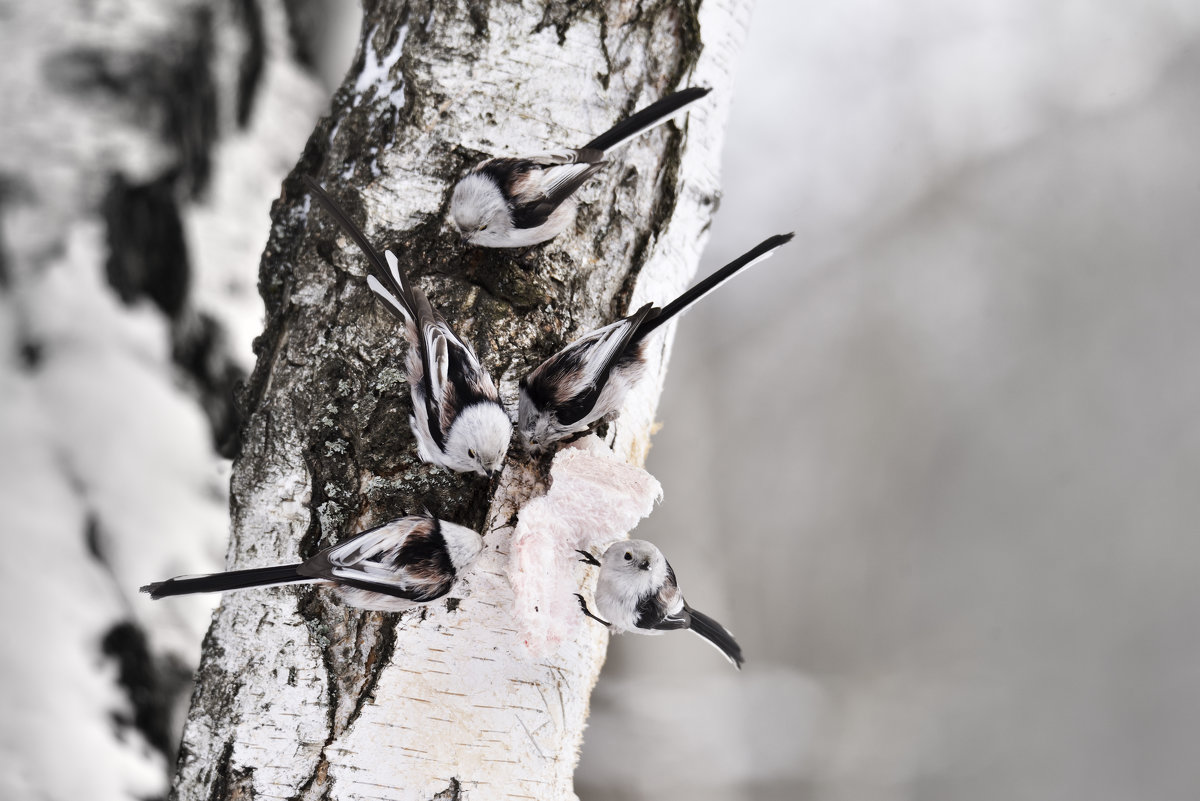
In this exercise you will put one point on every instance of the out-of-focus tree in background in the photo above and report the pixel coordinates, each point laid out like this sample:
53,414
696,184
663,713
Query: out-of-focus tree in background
933,464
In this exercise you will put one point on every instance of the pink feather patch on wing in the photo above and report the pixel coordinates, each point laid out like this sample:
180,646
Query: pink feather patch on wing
594,499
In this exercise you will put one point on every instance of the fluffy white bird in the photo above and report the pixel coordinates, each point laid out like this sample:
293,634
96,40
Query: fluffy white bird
392,567
637,592
517,202
458,420
585,383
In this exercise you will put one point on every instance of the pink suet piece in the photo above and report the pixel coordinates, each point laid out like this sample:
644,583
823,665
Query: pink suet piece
594,499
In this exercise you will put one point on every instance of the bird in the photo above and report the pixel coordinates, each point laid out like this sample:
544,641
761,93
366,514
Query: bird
637,592
458,420
518,202
585,383
404,562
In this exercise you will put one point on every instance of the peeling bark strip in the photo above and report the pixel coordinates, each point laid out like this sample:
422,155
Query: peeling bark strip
299,696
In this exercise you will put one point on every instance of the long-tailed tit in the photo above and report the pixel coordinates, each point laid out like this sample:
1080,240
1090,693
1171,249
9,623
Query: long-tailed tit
517,202
458,420
585,383
637,592
390,568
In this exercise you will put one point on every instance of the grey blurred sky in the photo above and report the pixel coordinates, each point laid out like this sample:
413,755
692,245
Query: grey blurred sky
935,463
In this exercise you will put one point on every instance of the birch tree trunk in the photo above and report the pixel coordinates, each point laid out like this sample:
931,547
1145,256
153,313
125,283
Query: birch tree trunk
299,696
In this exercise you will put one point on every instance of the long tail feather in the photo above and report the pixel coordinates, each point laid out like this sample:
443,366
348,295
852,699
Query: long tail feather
759,252
653,114
718,635
219,582
393,278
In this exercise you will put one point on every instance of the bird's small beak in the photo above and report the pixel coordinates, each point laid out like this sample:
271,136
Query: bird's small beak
588,558
645,565
465,238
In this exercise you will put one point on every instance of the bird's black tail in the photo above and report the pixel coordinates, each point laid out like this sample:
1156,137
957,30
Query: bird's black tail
718,635
393,280
219,582
681,304
647,118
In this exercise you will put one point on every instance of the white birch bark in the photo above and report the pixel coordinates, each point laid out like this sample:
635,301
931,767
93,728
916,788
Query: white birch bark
299,696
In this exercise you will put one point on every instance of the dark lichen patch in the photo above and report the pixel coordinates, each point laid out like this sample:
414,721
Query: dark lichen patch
452,793
561,14
452,604
665,200
227,784
509,280
317,785
478,14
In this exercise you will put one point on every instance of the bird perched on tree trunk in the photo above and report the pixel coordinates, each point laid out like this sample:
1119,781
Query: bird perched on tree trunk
406,561
637,592
517,202
585,383
458,420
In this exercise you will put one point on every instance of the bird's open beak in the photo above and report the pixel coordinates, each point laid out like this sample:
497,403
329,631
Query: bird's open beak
587,557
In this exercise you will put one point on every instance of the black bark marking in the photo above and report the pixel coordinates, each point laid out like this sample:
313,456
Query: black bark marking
250,67
452,793
147,252
152,685
148,258
200,347
227,783
10,189
378,658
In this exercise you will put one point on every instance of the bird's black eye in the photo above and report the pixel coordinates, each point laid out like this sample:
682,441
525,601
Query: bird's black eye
628,556
471,453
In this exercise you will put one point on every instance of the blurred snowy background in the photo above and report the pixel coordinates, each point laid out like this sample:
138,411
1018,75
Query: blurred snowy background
953,534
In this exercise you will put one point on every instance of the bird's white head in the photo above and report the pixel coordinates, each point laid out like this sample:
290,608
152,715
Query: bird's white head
462,544
478,439
479,211
639,563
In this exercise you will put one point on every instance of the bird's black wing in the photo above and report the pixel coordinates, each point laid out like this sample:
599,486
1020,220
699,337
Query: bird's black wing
453,376
665,609
560,183
404,558
600,364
